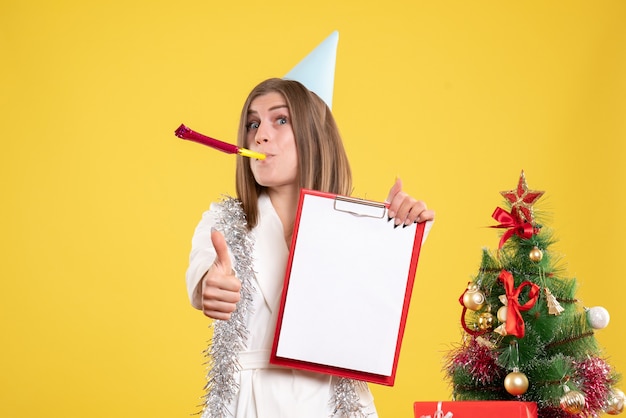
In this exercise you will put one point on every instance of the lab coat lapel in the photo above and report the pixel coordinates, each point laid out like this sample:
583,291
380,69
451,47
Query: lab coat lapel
271,253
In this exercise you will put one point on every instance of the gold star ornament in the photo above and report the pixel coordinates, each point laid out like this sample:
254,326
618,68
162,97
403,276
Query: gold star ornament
522,200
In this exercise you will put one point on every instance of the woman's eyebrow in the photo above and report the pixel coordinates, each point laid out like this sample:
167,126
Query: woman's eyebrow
281,106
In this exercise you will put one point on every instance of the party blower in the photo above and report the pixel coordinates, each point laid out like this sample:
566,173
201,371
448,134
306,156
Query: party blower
186,133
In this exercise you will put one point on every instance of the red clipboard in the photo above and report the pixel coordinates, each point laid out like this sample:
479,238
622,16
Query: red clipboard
347,289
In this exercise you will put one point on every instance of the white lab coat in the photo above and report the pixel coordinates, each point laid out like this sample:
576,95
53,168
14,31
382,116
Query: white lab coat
267,391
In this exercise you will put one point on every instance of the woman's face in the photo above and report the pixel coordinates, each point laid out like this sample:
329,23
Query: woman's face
269,131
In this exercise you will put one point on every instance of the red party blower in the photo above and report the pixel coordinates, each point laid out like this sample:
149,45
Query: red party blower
186,133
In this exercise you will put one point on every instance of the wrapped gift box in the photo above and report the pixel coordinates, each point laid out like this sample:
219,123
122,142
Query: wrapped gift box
471,409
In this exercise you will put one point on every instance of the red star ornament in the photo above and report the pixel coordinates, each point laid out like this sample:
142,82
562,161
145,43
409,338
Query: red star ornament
522,200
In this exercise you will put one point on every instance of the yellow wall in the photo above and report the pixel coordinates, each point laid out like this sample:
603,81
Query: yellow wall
99,199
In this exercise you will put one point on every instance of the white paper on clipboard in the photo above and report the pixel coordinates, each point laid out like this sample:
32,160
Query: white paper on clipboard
348,284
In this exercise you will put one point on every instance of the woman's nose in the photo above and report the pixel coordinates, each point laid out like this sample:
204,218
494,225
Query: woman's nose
261,135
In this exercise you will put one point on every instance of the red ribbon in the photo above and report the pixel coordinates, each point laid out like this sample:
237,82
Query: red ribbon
514,321
515,226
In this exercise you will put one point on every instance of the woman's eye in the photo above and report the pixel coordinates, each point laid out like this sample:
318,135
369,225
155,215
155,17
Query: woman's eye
282,121
253,125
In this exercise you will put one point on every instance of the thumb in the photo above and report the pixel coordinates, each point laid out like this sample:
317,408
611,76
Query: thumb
219,243
395,189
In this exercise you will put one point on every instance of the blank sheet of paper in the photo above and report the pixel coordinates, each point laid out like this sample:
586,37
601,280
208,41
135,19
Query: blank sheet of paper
347,287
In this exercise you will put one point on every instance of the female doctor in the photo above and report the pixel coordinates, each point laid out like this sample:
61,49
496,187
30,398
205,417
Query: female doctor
296,131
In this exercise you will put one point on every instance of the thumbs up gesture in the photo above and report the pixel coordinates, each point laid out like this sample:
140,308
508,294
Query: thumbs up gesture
220,286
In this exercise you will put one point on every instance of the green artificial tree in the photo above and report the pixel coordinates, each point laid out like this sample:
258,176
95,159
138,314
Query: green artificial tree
525,335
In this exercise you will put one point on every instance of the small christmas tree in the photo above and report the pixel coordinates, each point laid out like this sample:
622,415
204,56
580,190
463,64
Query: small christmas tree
526,337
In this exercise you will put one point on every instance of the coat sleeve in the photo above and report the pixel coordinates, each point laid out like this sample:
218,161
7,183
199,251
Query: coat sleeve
202,253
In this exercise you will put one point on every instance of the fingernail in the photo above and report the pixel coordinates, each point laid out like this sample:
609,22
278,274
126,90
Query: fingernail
395,226
389,218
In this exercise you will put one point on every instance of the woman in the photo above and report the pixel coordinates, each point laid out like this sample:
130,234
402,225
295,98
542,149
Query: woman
240,250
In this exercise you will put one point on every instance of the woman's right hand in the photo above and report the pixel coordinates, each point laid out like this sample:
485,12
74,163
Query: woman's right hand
220,287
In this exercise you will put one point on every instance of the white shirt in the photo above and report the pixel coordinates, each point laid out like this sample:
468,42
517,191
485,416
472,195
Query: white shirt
266,390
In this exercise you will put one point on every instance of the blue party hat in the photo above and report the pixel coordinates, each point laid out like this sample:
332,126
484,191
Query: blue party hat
317,70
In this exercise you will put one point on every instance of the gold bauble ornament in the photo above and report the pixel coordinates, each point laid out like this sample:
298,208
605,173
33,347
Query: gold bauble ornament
473,298
572,401
535,255
615,403
485,321
502,314
516,382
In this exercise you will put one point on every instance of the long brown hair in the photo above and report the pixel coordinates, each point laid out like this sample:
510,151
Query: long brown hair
322,161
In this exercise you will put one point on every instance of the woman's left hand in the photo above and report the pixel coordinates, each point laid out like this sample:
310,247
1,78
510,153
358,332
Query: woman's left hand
405,209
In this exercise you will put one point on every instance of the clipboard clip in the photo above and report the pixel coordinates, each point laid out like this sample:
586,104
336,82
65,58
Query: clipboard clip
360,207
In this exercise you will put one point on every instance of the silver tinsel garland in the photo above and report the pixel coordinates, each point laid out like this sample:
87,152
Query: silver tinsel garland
346,399
230,337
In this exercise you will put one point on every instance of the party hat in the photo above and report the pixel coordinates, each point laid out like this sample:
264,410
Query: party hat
317,70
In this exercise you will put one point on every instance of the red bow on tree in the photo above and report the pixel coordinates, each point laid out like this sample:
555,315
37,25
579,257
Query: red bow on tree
514,322
515,226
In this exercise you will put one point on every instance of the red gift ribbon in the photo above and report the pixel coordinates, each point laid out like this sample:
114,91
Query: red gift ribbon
515,226
514,321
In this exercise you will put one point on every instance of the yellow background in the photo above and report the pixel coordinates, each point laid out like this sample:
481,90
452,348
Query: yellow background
99,199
